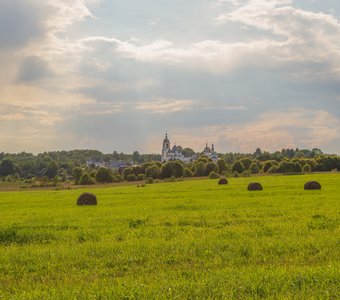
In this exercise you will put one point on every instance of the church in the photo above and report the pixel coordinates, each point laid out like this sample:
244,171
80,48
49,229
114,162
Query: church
175,153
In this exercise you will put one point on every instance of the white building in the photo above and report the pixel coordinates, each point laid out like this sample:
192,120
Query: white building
175,153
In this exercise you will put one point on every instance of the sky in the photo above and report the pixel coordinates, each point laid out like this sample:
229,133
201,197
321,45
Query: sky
118,74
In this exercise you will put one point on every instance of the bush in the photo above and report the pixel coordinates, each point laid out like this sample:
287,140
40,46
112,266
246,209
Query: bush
140,177
211,167
167,170
222,165
246,162
152,171
77,173
199,169
272,169
104,175
253,168
235,174
131,177
187,172
238,167
127,172
86,179
246,174
306,169
178,169
149,180
268,164
117,178
214,175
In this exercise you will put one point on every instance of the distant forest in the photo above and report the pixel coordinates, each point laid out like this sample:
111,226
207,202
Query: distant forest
63,166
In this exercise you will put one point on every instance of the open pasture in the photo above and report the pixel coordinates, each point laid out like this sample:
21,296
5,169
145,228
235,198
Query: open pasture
191,239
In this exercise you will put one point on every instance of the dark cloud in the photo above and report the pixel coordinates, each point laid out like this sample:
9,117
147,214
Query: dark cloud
32,69
19,23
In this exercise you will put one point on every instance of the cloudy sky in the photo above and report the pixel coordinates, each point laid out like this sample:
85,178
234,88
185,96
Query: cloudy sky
117,74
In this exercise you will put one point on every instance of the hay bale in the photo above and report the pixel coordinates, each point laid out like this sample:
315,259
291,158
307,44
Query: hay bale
223,181
87,199
312,185
255,186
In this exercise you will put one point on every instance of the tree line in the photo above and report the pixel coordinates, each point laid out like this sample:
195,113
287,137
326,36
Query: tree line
63,166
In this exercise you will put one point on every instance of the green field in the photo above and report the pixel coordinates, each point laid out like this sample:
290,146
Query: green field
189,239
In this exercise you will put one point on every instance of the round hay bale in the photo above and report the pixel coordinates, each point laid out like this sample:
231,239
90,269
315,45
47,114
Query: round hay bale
223,181
255,186
87,199
312,185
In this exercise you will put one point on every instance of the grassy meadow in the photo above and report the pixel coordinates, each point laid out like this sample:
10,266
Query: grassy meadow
189,239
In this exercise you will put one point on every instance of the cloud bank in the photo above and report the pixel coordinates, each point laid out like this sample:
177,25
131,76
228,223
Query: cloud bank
96,74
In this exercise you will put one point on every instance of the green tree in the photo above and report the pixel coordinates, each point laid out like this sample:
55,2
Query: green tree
214,175
238,167
246,162
7,167
127,172
131,177
253,168
104,175
306,169
210,167
199,169
222,166
152,171
188,152
178,169
52,169
86,179
167,169
136,156
76,174
268,164
187,172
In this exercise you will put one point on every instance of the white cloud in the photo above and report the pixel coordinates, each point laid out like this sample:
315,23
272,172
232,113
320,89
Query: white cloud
272,131
165,105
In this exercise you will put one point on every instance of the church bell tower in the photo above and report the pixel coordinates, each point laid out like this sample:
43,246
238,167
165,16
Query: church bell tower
166,147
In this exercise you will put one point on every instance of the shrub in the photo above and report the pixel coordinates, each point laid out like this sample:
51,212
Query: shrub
199,169
272,169
253,168
246,162
246,173
77,173
86,179
104,175
238,167
178,169
210,167
306,169
131,177
222,165
117,178
149,180
167,170
235,174
187,172
214,175
140,177
152,171
268,164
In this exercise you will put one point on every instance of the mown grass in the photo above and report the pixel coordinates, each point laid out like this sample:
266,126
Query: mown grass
190,239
